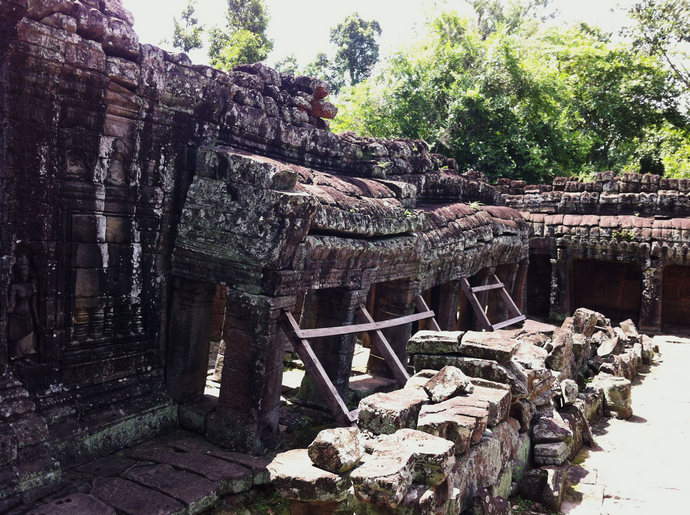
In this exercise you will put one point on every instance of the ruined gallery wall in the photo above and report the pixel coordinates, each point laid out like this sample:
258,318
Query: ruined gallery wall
133,183
632,228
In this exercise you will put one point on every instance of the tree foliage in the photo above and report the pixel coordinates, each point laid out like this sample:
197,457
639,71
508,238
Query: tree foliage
357,48
326,70
188,32
521,103
287,65
662,28
243,39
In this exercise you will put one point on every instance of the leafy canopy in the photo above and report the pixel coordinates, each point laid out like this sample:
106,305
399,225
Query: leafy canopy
357,48
243,40
188,32
511,101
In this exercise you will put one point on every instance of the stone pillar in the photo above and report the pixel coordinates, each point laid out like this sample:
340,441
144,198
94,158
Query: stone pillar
561,267
331,308
651,304
394,299
188,339
448,301
246,419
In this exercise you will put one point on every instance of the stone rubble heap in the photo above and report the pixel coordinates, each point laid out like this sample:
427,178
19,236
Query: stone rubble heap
485,416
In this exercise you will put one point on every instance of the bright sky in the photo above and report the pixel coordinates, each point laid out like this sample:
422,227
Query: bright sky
301,27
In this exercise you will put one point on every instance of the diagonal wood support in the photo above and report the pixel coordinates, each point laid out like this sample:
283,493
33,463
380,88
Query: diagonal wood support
385,351
300,341
316,371
484,322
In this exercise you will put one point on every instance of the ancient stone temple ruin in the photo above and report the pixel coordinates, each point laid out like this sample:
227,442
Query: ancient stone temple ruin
161,225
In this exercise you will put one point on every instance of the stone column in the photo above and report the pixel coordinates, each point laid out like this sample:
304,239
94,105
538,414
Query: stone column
246,419
561,268
188,339
331,308
652,292
394,299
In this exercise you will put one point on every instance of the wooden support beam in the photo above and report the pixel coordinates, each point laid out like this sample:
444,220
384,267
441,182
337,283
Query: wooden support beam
476,306
423,307
385,351
308,334
316,371
476,289
509,300
507,323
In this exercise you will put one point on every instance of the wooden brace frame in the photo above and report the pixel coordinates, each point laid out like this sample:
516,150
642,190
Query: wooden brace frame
300,341
471,294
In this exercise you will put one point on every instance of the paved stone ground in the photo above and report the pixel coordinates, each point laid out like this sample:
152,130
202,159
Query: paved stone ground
640,465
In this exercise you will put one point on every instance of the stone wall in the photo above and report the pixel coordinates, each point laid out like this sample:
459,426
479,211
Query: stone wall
133,184
639,220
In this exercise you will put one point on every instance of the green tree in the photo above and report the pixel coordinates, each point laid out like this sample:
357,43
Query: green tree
187,32
243,40
518,103
357,48
324,69
509,17
663,26
287,65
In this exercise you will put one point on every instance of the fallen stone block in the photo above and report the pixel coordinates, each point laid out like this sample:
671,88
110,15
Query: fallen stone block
609,346
433,457
585,321
530,355
336,450
420,379
385,413
434,342
617,394
507,433
422,499
295,477
477,368
630,331
449,382
461,406
647,349
487,345
552,453
521,459
384,479
579,426
545,485
498,400
448,424
479,468
551,430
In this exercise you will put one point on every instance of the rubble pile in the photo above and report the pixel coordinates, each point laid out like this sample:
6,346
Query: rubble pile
487,415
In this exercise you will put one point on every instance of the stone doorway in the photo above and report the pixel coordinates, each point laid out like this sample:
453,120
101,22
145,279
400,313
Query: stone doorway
675,307
539,286
614,289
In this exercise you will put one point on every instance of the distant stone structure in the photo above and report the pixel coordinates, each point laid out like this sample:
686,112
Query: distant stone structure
618,244
149,206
